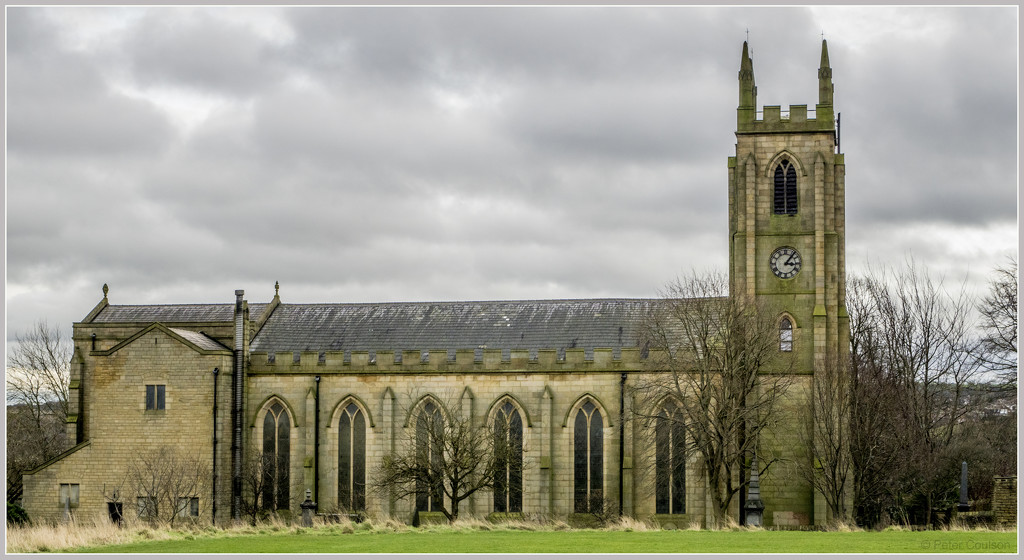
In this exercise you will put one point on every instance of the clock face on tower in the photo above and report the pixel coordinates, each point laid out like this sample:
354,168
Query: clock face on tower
785,262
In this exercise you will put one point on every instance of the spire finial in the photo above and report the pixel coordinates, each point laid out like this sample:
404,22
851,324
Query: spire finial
748,91
105,290
825,87
277,287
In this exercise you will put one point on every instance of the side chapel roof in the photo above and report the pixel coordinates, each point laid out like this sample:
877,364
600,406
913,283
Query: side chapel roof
177,313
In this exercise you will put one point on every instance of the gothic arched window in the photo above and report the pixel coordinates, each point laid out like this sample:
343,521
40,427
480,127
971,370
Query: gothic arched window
670,460
588,460
352,459
785,188
786,335
276,455
429,437
508,459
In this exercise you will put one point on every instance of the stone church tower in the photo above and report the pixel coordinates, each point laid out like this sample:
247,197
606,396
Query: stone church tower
787,224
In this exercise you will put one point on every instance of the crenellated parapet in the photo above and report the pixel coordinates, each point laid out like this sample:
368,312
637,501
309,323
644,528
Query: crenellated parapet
796,119
468,360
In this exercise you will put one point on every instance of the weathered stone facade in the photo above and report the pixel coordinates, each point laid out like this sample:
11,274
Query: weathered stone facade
317,365
1004,500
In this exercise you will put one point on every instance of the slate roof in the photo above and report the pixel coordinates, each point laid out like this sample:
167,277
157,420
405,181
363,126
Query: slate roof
186,313
535,324
200,340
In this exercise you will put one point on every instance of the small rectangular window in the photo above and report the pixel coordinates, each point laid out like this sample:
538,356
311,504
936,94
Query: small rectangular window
116,512
69,495
155,397
188,507
146,507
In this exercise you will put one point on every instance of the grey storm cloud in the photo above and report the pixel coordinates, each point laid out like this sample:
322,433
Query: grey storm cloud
192,49
355,154
58,103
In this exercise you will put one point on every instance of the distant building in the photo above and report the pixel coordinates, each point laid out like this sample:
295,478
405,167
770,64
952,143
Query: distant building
326,390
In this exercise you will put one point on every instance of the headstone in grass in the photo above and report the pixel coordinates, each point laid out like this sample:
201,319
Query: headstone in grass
963,488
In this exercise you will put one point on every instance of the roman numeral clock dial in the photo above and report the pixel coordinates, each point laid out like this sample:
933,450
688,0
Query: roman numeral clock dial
785,262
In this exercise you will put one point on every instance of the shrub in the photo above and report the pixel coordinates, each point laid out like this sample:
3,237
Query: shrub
16,514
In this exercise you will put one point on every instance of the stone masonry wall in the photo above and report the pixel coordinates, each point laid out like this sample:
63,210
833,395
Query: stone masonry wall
547,400
1004,500
121,428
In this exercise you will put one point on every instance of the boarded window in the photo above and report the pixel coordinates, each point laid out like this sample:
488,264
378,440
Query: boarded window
146,507
68,495
352,459
188,506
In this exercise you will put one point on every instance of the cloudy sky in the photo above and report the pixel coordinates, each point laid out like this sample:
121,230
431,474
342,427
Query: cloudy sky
400,154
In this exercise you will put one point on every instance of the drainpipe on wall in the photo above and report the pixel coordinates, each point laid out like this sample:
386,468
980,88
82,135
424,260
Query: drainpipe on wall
213,496
237,393
622,434
316,444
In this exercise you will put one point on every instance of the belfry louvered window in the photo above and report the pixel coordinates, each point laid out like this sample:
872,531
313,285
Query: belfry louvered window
785,188
508,459
429,439
276,454
352,459
588,460
670,463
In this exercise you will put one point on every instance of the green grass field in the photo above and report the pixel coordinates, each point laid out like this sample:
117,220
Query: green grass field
583,541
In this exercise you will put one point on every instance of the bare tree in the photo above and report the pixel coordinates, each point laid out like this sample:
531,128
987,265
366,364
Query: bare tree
999,324
167,485
921,341
828,435
445,459
708,351
37,400
875,406
257,471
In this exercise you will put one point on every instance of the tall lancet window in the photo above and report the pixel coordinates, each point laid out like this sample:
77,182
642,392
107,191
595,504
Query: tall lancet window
588,460
670,463
276,455
352,459
429,440
785,188
508,459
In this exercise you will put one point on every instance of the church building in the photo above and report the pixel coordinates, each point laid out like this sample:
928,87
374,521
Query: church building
324,391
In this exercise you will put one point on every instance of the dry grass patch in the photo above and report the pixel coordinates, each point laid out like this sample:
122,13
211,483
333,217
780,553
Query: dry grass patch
43,537
629,524
838,526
